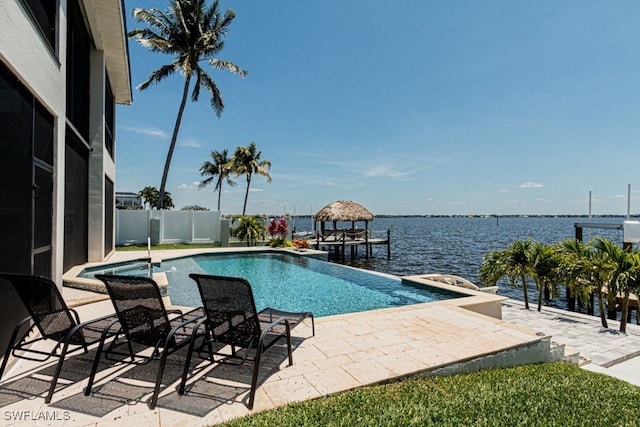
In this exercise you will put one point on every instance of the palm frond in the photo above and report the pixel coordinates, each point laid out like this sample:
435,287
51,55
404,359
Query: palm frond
204,80
157,76
220,64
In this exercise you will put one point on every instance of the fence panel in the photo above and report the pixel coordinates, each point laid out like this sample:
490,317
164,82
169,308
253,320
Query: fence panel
206,226
132,226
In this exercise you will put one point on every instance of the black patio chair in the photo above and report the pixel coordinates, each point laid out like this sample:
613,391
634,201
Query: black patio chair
232,319
50,316
145,321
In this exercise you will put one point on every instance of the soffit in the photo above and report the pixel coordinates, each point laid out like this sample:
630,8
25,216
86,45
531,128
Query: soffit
109,31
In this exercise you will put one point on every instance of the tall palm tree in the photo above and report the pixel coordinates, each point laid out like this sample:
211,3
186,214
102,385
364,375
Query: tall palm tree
191,32
247,161
220,167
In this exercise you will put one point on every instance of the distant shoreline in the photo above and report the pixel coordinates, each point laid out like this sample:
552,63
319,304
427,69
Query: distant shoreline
495,216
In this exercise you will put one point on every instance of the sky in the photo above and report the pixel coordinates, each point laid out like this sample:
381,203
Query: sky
412,107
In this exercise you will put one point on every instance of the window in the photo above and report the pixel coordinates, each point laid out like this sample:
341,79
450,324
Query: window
78,49
26,181
43,12
108,215
109,118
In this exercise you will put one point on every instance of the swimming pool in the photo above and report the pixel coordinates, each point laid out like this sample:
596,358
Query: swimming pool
295,283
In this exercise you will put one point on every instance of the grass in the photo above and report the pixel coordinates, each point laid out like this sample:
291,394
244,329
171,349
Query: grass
165,246
542,395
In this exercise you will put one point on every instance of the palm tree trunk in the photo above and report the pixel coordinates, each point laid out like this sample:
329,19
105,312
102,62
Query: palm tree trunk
246,194
219,194
172,145
612,313
603,315
540,290
625,310
525,294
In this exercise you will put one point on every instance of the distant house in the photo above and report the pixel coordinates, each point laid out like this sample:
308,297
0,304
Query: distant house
64,65
126,200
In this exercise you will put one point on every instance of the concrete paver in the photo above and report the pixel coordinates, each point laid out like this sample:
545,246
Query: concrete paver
602,350
347,351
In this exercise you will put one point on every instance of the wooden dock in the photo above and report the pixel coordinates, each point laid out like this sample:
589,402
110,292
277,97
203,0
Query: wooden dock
339,241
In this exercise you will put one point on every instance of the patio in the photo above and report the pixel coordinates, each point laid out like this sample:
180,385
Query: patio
348,351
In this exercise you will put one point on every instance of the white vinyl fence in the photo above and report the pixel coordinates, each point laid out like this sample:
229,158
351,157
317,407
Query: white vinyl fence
135,226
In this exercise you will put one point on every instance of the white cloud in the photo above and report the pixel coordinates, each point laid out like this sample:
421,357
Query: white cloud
145,130
189,186
190,143
503,190
530,184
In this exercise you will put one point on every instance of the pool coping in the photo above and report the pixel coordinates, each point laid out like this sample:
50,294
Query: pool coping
72,277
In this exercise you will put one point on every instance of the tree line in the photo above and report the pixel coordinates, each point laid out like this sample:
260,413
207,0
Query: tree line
246,161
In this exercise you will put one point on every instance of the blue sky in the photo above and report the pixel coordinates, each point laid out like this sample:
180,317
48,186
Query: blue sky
407,107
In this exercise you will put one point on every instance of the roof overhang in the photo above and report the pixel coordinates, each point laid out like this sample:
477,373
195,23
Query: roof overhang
109,30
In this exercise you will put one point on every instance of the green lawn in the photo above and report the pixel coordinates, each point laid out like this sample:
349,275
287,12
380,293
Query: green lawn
536,395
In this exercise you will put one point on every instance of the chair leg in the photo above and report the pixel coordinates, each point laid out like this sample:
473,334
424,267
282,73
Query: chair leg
254,379
289,344
192,344
94,368
156,390
56,374
7,353
11,343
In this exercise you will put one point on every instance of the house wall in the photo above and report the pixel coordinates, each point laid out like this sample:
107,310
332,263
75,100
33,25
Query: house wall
42,71
29,57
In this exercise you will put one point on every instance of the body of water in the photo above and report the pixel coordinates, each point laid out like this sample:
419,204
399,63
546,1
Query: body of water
457,245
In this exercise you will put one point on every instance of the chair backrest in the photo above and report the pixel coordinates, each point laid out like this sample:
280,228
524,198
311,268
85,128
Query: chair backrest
45,305
139,307
230,308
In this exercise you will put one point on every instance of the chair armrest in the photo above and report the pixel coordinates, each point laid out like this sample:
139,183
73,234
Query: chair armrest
272,325
183,325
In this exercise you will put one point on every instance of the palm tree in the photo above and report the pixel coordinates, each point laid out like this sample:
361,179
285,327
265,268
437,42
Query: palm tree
220,167
168,201
246,161
192,33
513,262
630,284
149,196
587,271
251,229
545,269
622,262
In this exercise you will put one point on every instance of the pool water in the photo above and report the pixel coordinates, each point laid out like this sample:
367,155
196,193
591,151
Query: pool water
295,283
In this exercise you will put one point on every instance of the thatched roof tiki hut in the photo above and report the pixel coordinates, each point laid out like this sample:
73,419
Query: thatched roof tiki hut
343,211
